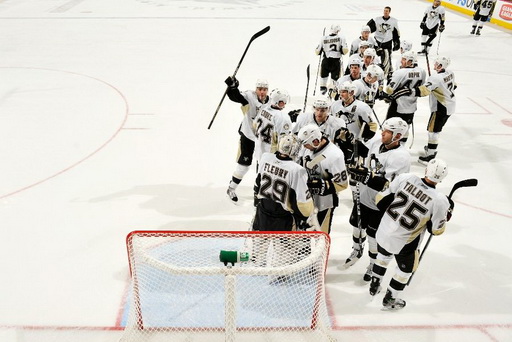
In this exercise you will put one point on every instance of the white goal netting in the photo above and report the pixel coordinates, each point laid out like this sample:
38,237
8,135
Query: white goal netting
182,291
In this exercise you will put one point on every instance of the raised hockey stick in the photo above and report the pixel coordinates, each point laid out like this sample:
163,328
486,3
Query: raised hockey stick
307,89
256,35
314,162
462,184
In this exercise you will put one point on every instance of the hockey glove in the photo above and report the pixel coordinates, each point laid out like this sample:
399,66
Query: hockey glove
402,92
318,186
422,25
360,174
294,114
231,82
441,28
346,136
450,210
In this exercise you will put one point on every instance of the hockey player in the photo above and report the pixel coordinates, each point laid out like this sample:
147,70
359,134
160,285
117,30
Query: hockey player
354,67
355,113
365,36
271,123
387,36
283,198
333,47
251,101
368,87
412,206
385,159
433,20
329,125
405,46
401,87
484,10
283,201
440,87
325,164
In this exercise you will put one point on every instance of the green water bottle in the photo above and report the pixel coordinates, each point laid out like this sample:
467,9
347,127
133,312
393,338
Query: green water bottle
233,257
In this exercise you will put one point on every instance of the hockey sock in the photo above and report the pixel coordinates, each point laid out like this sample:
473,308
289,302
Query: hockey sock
372,248
234,182
240,172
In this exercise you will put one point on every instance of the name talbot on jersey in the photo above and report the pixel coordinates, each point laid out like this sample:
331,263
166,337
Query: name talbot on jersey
414,191
272,169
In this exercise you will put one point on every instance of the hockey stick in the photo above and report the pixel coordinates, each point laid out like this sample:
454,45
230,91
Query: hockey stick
256,35
307,89
376,118
438,42
412,138
462,184
314,162
428,63
358,192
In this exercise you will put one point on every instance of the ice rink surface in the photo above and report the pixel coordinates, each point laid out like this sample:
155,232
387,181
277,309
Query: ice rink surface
104,108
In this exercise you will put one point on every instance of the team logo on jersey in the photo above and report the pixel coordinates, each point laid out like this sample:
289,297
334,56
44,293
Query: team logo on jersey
383,28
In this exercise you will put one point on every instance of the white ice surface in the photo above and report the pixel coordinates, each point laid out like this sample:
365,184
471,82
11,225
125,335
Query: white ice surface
104,108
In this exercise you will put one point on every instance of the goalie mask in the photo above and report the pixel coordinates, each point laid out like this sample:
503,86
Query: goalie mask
288,145
436,170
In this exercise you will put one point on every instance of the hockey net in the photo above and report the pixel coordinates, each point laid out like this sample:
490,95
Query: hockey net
181,291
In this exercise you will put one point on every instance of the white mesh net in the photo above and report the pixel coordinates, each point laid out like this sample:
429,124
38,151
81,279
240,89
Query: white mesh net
181,291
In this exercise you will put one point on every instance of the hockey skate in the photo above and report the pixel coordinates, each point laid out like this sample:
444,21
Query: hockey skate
425,159
473,30
368,274
375,286
391,303
477,32
353,257
232,195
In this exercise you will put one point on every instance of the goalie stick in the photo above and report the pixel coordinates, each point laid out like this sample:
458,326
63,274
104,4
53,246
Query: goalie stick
462,184
256,35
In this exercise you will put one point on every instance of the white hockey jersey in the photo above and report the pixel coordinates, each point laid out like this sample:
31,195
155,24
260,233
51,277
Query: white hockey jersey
270,123
329,127
414,205
385,28
247,127
484,7
332,167
434,16
442,86
333,46
354,114
365,91
383,162
406,78
354,47
283,181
